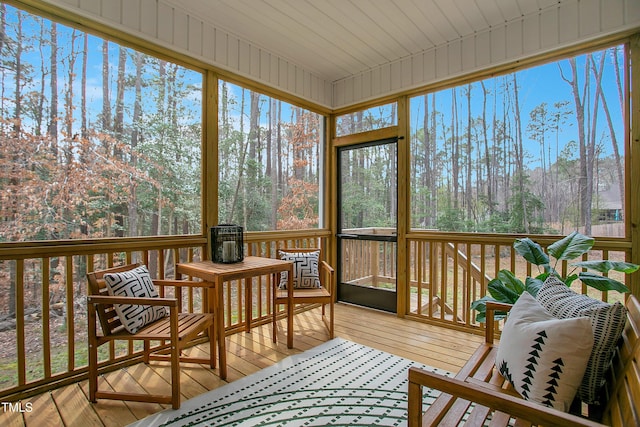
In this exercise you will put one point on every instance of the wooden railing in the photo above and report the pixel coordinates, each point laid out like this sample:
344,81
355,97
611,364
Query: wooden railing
369,262
43,326
43,289
263,244
448,271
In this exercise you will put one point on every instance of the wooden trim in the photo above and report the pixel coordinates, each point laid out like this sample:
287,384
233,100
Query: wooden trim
403,207
507,239
19,281
368,136
331,181
579,48
270,91
328,196
261,236
364,105
70,322
46,334
210,157
633,162
30,250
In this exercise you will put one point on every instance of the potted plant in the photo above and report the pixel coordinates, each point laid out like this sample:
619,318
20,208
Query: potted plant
508,288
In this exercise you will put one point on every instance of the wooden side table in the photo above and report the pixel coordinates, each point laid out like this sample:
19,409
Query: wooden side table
217,274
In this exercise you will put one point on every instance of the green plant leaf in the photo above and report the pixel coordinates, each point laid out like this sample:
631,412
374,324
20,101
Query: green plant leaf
531,251
502,293
571,247
605,266
569,279
480,304
481,307
543,276
509,280
602,283
533,285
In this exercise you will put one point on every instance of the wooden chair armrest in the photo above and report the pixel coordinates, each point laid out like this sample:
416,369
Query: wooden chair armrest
329,273
325,265
514,406
490,324
498,306
100,299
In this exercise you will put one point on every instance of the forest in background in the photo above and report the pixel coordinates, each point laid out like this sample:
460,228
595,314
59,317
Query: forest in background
269,161
537,151
98,140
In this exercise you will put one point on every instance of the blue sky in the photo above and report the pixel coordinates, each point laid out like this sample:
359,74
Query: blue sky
537,85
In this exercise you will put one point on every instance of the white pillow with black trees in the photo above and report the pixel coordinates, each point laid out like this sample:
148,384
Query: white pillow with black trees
607,322
306,274
543,357
136,283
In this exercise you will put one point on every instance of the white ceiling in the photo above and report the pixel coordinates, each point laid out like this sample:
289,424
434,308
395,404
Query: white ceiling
336,39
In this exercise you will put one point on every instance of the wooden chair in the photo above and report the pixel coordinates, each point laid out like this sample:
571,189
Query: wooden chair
175,332
323,295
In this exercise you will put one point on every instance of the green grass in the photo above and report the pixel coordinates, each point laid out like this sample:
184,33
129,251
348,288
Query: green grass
59,362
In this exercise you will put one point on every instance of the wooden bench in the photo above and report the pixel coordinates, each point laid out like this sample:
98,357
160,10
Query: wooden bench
478,382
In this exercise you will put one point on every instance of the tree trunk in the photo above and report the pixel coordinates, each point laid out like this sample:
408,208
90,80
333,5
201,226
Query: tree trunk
591,149
520,157
272,157
135,138
118,124
614,141
455,150
14,181
582,144
487,153
3,31
106,101
40,108
53,110
468,192
83,100
17,115
427,178
243,152
435,167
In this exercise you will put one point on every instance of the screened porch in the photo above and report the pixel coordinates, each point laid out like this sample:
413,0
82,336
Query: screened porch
166,119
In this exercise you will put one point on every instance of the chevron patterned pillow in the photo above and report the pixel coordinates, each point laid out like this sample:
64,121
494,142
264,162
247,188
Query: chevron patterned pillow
134,283
305,270
544,358
607,322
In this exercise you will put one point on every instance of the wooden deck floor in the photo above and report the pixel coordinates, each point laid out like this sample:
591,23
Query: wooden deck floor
247,353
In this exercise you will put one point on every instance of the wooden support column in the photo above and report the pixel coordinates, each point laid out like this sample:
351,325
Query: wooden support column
210,157
404,207
633,159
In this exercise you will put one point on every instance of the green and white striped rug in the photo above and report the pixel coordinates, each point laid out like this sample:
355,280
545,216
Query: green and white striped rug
336,383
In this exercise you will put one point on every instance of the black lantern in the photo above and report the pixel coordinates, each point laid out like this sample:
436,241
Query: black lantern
227,245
